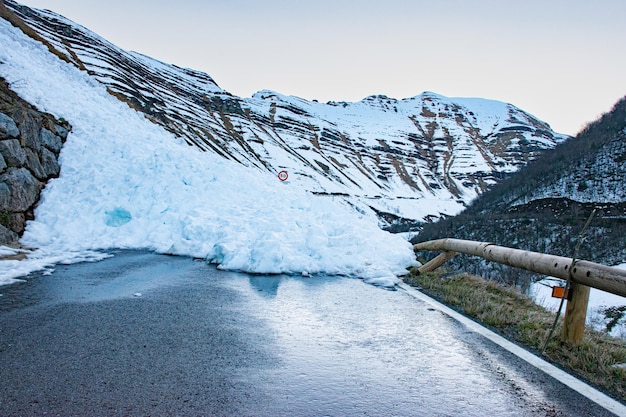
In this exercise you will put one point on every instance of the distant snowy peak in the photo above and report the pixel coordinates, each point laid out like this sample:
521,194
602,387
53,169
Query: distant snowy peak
489,116
429,141
416,158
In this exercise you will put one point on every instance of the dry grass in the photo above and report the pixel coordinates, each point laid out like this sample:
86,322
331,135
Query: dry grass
518,318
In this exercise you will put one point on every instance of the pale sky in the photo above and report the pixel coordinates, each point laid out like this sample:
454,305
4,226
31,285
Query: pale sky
564,61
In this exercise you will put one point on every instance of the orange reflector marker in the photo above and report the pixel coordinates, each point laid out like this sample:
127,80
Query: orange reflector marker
557,292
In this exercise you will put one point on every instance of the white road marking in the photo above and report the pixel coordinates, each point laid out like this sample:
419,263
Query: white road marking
577,385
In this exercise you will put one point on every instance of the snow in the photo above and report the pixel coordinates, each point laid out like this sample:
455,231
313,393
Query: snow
7,251
127,183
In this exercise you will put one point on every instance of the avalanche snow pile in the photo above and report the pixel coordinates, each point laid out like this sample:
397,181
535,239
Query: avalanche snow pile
128,183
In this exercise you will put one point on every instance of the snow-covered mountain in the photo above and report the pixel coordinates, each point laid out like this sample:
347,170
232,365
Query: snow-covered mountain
415,158
588,169
543,207
161,158
126,182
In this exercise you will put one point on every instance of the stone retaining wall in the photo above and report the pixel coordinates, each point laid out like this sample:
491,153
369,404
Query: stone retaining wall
30,143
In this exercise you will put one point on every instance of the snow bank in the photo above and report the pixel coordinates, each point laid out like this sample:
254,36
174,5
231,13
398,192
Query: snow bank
127,183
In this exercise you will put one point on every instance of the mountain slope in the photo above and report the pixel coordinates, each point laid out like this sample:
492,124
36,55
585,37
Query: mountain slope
416,158
126,182
544,206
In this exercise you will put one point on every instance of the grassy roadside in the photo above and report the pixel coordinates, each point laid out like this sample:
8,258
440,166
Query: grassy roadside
518,318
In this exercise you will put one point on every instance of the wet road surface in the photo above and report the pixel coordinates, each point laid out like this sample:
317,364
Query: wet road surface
141,334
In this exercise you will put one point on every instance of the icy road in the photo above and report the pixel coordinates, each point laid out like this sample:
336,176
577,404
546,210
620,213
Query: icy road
145,334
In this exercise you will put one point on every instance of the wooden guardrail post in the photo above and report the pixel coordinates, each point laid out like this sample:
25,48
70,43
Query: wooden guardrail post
575,314
436,262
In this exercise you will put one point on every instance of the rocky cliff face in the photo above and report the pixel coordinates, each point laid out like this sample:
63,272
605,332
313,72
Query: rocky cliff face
30,143
416,158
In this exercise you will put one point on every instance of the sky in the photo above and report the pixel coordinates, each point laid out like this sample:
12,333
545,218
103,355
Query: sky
561,60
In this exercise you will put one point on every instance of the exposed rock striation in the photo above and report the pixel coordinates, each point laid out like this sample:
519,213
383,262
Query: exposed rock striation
30,144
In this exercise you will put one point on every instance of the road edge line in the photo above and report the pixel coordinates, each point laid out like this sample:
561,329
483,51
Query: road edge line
572,382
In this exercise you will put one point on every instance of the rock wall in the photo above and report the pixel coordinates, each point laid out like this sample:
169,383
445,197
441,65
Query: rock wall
30,143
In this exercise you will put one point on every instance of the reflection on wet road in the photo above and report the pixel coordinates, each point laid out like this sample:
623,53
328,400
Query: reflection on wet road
143,334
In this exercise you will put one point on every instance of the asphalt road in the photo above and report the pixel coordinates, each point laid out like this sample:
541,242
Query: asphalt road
141,334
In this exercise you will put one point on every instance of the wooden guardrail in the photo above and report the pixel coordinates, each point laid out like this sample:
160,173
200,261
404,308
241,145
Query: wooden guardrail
588,273
583,274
